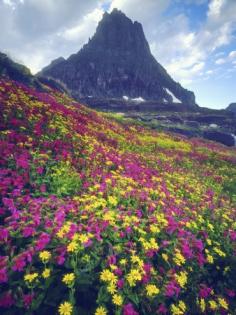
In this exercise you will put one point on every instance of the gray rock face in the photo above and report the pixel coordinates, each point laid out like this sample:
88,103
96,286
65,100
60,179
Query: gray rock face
232,108
117,61
222,137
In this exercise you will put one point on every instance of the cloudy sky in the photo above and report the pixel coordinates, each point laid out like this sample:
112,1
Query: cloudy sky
195,40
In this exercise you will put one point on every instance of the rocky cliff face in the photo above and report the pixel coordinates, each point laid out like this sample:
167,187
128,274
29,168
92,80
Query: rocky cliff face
232,108
117,62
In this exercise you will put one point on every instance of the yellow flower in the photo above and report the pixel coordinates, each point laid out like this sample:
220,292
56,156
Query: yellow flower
133,277
31,277
108,276
165,257
182,279
117,299
69,278
213,305
101,311
202,305
178,309
46,273
111,288
45,256
223,303
112,201
65,308
152,290
210,259
72,247
123,262
179,258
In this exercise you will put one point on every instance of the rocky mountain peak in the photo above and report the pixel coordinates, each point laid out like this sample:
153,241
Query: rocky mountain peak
117,32
117,62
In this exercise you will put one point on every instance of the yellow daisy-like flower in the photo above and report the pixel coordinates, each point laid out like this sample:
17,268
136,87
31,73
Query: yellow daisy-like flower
69,278
182,278
72,247
101,311
179,258
223,303
31,277
108,276
210,259
65,308
213,305
133,277
165,257
46,273
117,299
111,288
45,256
123,262
152,290
202,305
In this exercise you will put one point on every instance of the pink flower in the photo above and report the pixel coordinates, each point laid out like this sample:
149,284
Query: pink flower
172,289
42,241
204,292
19,264
162,309
129,310
111,260
6,300
120,283
28,231
27,299
3,234
3,275
60,259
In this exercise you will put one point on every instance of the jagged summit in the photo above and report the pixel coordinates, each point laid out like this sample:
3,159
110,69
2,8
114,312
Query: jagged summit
117,62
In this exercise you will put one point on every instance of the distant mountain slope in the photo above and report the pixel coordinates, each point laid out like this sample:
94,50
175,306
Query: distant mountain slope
117,62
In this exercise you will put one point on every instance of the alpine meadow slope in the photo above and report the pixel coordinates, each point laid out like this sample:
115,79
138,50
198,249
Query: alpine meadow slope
101,215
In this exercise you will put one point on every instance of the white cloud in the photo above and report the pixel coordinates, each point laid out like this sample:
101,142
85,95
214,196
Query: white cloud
232,54
229,58
220,61
35,28
85,29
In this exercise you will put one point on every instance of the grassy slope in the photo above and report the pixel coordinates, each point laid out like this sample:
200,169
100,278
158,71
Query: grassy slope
145,220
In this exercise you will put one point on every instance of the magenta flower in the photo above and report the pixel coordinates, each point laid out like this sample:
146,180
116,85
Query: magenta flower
129,310
42,241
3,275
28,231
28,299
6,300
172,289
204,292
162,309
19,264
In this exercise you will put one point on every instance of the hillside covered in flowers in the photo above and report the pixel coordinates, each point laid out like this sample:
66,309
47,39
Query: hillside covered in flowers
100,215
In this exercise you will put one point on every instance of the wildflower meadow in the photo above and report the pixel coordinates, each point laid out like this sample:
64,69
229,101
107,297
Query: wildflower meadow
101,215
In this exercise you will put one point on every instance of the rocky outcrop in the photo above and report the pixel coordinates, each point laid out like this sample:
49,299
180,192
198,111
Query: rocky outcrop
232,108
222,137
17,72
117,62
